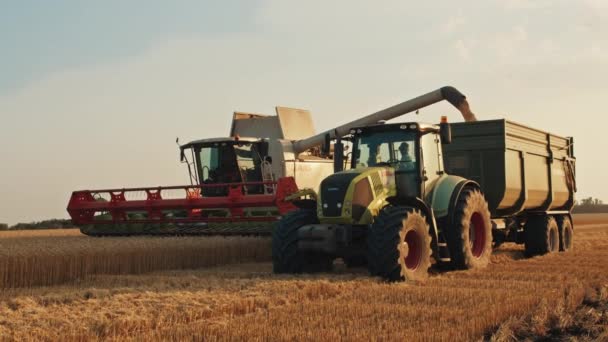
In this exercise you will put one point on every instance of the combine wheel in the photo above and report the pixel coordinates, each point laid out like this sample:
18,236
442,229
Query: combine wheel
286,258
566,233
541,235
399,245
470,238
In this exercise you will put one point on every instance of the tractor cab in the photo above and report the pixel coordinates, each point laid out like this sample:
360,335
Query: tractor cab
225,161
412,150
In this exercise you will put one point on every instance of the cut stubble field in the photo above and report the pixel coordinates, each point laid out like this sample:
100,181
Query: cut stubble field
60,285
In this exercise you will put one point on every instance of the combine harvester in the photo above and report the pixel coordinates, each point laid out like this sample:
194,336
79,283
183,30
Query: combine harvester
240,185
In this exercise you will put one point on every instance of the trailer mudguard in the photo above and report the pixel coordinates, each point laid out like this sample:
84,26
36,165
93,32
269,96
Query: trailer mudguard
445,192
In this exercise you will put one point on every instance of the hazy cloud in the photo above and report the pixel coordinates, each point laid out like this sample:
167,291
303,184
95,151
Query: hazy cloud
114,124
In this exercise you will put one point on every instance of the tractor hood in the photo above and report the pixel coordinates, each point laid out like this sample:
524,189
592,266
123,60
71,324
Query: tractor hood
348,196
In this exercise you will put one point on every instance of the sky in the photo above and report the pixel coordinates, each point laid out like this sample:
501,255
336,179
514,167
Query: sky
94,93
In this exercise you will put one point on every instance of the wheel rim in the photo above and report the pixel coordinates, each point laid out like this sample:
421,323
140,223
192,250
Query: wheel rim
414,250
477,235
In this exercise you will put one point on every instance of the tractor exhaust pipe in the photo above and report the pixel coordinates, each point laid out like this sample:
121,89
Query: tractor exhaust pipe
450,94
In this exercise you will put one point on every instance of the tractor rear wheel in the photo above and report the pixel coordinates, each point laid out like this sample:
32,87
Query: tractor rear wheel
566,233
399,245
286,258
470,237
541,235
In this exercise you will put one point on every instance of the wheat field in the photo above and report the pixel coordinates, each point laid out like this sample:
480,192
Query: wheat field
48,257
232,295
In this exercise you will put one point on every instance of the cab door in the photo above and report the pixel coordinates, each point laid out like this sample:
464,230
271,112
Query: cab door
432,167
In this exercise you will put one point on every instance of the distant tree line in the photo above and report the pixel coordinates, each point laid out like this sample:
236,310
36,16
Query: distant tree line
46,224
590,205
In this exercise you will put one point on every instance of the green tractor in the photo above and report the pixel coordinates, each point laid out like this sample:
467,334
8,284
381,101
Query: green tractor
417,194
395,210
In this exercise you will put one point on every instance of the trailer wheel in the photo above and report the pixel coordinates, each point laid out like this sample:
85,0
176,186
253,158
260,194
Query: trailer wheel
566,233
541,235
285,255
470,237
399,245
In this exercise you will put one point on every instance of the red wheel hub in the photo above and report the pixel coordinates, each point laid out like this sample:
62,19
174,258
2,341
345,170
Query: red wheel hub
414,244
477,235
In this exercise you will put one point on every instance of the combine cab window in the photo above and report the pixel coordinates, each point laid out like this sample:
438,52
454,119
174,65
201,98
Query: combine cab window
223,163
208,161
217,164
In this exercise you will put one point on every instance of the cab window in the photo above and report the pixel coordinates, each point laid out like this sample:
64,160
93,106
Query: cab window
395,148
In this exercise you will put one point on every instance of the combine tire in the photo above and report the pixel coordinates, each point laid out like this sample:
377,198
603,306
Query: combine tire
566,233
470,237
286,258
399,245
542,235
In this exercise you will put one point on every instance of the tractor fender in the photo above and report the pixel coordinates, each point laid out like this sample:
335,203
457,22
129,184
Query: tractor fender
445,193
303,199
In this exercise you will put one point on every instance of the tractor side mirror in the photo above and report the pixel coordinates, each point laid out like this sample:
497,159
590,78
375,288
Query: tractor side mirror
182,155
445,131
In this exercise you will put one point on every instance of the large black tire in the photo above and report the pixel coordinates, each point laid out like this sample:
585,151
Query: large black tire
541,235
355,261
566,233
286,258
470,236
399,245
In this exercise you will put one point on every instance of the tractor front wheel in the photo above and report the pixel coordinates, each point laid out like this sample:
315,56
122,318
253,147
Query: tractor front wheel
399,245
286,258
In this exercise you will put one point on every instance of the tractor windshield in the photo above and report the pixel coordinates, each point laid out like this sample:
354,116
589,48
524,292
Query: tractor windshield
394,148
